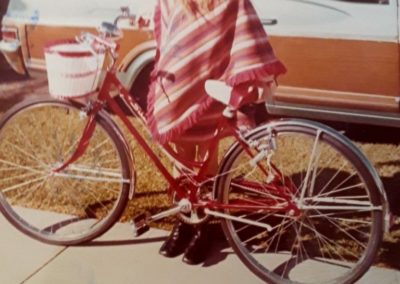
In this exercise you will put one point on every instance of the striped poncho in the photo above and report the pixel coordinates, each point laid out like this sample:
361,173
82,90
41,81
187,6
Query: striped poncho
227,44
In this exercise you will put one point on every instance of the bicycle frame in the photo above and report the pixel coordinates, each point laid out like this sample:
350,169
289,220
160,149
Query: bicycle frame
104,98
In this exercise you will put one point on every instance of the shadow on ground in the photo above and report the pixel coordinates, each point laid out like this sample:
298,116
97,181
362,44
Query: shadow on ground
15,87
368,133
7,77
7,74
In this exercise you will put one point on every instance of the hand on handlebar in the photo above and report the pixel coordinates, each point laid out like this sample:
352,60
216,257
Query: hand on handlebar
99,45
96,42
241,95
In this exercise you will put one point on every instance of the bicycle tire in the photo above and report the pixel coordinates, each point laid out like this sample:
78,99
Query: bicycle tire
77,204
339,243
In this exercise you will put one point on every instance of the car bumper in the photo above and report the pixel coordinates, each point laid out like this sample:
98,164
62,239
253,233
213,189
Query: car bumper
13,54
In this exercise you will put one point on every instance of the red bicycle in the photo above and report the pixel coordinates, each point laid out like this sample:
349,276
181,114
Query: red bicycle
292,195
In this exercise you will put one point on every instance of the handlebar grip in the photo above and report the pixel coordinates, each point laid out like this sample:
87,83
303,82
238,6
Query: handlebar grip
93,39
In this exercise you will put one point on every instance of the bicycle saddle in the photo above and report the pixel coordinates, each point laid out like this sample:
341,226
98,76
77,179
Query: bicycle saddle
221,92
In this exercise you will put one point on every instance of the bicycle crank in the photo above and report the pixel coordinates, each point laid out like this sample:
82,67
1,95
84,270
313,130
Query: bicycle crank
140,223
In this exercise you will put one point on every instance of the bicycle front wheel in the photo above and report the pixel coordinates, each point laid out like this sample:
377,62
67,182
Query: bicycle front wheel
74,205
306,203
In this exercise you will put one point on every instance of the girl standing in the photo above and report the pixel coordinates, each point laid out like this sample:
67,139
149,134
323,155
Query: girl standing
198,40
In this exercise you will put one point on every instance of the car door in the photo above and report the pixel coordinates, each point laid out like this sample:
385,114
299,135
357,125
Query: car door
342,57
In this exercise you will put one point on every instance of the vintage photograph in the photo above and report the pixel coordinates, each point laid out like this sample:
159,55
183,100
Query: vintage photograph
200,141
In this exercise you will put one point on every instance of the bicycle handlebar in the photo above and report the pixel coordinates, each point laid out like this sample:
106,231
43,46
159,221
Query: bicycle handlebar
94,40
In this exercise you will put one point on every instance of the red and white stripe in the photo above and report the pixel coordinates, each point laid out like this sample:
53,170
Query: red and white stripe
228,44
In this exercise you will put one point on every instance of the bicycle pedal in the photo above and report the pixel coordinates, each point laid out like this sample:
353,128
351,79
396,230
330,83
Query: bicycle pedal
139,225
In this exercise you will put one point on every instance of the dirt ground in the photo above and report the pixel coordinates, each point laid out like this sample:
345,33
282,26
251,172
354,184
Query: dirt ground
381,145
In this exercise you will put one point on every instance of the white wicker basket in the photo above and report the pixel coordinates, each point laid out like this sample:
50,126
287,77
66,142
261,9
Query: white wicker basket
73,69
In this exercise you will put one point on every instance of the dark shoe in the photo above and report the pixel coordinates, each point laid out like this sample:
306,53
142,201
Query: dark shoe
178,240
198,247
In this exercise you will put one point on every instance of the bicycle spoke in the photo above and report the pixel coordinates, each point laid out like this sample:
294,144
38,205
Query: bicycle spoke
282,228
295,248
337,190
89,178
344,222
26,193
19,185
334,177
19,177
25,154
17,166
29,144
329,241
102,171
262,193
328,215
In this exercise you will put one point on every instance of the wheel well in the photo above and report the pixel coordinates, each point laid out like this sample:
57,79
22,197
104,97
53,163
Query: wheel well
140,86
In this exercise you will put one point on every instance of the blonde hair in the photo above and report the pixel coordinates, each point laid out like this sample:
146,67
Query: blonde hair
199,6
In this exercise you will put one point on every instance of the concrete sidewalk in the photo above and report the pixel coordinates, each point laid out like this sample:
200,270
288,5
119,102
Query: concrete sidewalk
119,258
116,257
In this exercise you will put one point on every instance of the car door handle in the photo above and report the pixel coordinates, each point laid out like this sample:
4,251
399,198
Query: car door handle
269,22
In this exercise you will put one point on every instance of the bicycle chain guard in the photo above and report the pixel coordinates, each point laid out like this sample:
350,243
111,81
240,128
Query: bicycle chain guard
195,215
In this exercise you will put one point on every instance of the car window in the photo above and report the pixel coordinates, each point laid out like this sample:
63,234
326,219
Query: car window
367,1
74,12
344,19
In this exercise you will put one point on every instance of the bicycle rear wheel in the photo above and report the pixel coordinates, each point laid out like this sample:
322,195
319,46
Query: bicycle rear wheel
68,207
320,214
